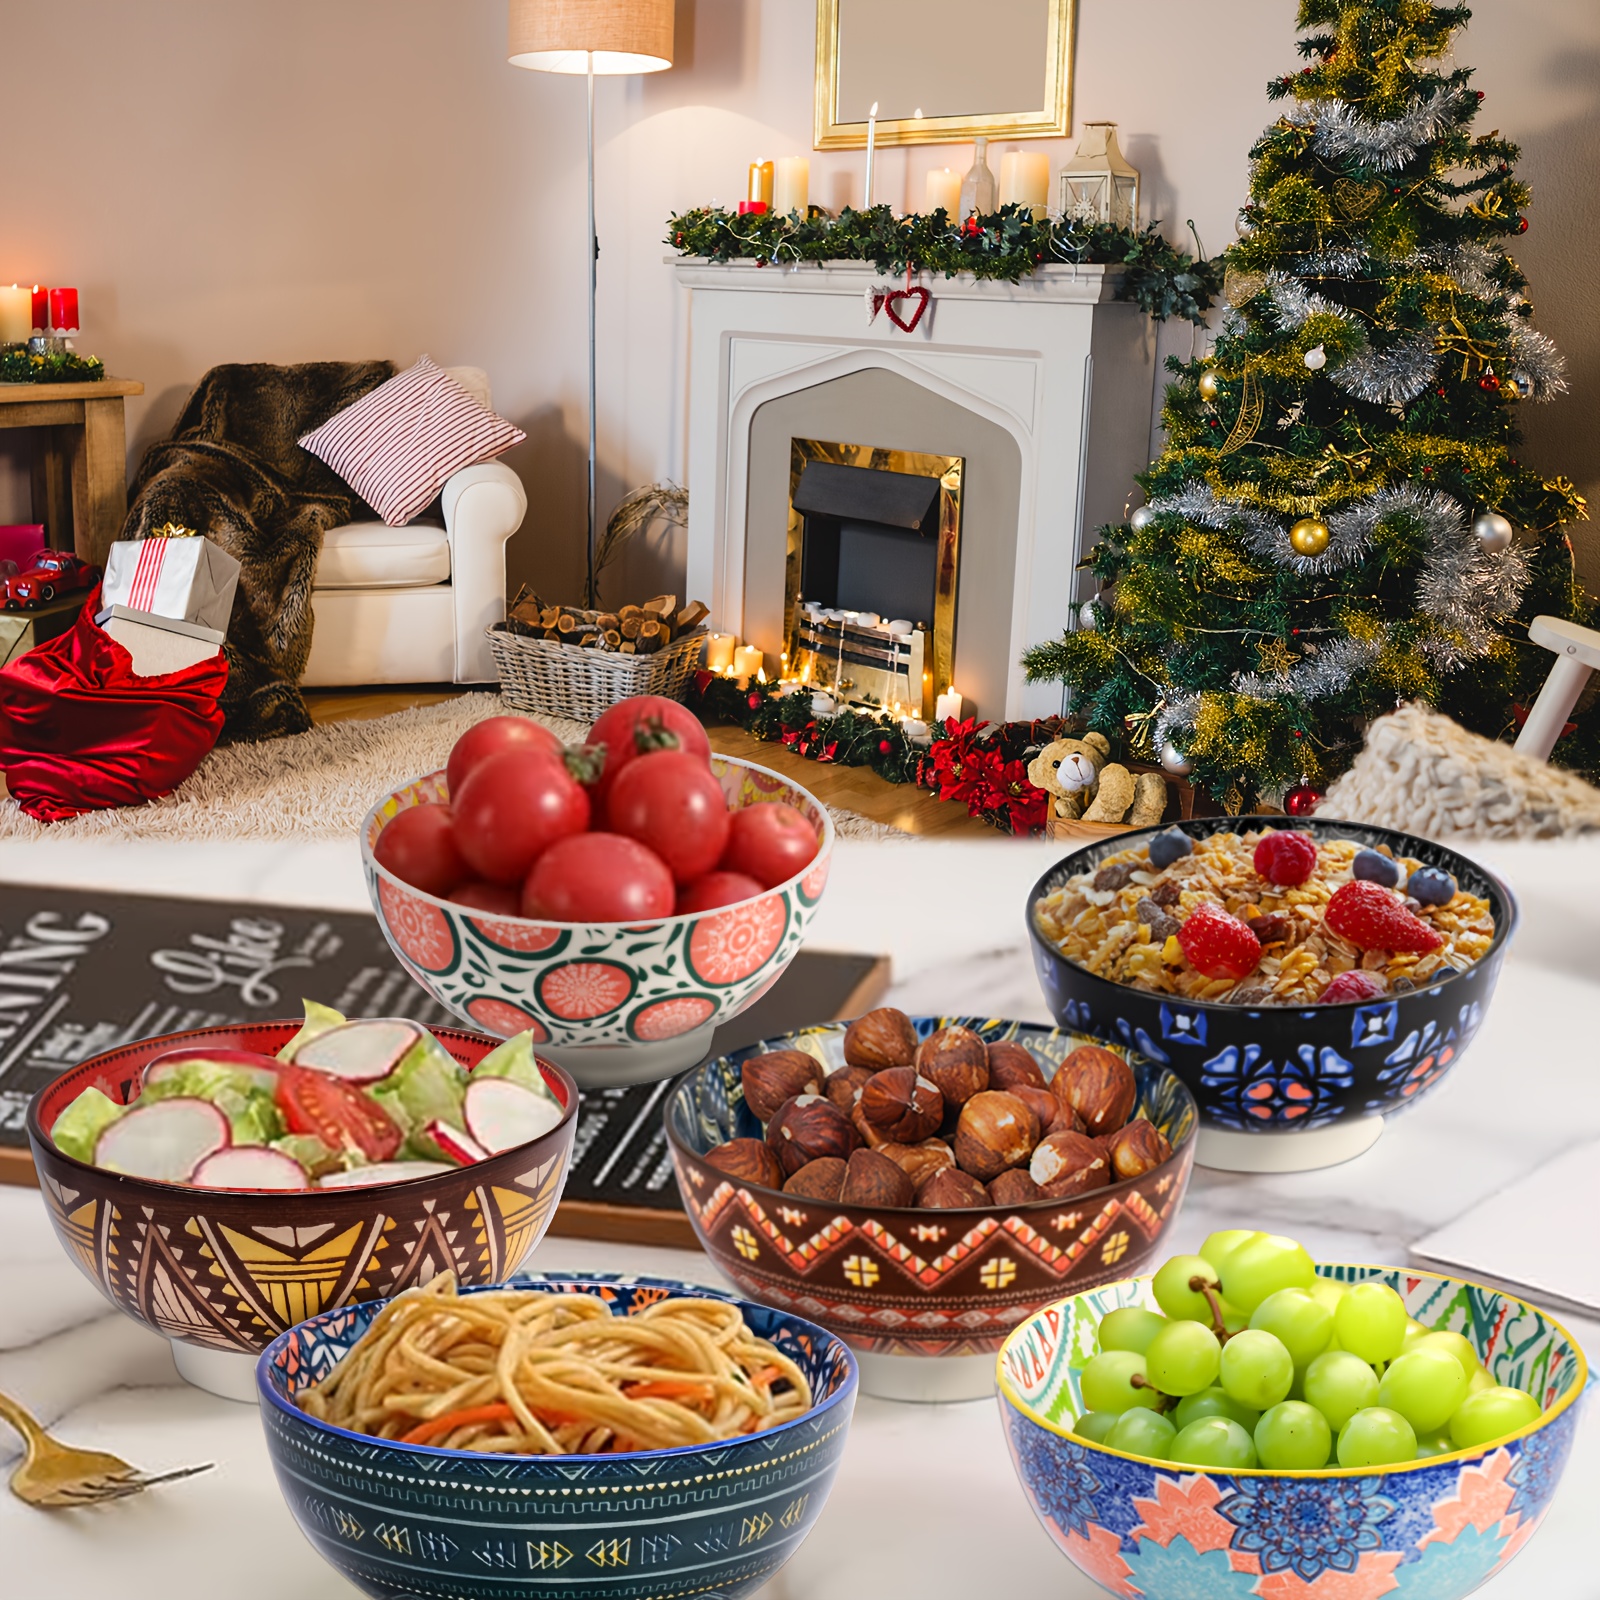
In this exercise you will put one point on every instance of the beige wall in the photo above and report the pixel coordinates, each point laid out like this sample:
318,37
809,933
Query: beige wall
284,180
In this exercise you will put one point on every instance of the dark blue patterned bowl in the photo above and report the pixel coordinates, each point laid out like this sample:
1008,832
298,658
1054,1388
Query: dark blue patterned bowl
1319,1078
409,1522
1432,1529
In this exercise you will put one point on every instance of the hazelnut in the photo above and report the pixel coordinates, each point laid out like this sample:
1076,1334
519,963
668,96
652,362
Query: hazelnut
844,1087
1099,1085
955,1059
747,1160
996,1131
872,1179
1013,1188
1043,1105
920,1161
881,1038
1068,1163
777,1076
818,1180
1066,1120
902,1106
1137,1149
951,1189
1013,1066
808,1128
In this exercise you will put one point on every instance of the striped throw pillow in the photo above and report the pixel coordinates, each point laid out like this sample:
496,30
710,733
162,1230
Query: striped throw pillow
396,446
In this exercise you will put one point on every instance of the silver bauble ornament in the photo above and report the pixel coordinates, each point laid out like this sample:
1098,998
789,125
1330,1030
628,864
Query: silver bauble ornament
1141,519
1175,761
1316,358
1088,617
1242,225
1493,532
1522,384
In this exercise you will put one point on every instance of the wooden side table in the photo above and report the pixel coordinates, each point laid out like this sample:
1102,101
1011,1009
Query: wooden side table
80,460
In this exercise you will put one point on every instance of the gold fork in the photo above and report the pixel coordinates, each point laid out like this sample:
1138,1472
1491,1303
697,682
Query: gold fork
54,1474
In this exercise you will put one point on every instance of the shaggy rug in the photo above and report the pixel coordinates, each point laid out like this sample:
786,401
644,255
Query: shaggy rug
316,785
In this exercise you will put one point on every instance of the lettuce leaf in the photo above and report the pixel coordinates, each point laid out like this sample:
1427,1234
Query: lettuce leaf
77,1130
238,1094
515,1059
427,1085
319,1018
310,1152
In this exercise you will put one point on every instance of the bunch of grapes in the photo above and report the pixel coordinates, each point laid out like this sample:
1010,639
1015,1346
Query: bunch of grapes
1259,1362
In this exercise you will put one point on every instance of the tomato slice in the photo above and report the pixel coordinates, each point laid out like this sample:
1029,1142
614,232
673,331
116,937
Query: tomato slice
336,1112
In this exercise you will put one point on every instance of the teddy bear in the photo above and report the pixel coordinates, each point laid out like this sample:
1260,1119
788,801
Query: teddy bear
1086,785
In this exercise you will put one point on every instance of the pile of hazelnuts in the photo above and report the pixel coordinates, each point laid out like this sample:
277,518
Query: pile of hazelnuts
947,1122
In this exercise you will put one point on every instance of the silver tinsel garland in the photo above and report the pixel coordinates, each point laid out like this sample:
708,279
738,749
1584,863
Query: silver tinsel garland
1294,303
1535,358
1340,130
1328,672
1392,376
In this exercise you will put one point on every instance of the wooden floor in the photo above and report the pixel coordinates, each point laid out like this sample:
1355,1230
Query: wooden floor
849,788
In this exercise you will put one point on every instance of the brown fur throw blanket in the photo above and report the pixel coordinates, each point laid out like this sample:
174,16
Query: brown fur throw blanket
234,471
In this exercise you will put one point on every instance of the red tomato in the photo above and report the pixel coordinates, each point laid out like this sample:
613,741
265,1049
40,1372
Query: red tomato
503,899
633,727
513,805
669,801
336,1112
717,889
492,736
598,877
418,846
769,842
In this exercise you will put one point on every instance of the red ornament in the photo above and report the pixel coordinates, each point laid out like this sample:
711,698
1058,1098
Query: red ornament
754,702
884,747
1488,381
1302,800
1522,224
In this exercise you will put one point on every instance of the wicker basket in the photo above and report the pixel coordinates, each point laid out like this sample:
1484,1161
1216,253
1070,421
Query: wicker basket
565,680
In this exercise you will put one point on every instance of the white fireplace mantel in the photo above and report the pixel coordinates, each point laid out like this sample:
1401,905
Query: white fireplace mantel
1055,360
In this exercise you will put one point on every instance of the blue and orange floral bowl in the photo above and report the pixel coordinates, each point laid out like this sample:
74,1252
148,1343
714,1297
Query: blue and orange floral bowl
612,1003
410,1522
1432,1529
1286,1088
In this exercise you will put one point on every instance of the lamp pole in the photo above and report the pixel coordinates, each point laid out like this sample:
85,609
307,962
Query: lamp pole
590,597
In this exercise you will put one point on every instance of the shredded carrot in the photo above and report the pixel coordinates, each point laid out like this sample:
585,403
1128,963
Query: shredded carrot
762,1377
451,1420
668,1389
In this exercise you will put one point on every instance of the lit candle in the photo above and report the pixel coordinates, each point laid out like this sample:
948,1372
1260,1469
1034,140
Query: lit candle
41,309
792,189
948,705
944,191
872,145
822,705
746,662
15,306
64,310
916,730
719,651
1025,181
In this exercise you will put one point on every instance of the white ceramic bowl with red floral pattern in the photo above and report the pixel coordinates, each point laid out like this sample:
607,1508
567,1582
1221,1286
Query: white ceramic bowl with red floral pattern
613,1003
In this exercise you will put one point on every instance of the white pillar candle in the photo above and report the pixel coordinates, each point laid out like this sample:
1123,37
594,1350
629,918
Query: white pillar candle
872,145
16,315
949,704
822,705
746,662
944,189
791,189
1025,181
719,651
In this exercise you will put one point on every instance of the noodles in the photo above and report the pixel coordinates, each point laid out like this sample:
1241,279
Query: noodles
525,1372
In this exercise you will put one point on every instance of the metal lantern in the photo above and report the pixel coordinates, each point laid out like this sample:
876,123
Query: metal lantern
1097,183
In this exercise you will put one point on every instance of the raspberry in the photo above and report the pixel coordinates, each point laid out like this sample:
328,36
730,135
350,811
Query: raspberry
1348,986
1376,918
1217,945
1286,858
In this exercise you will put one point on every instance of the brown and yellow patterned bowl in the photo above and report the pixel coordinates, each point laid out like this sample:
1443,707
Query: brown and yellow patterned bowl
220,1272
901,1285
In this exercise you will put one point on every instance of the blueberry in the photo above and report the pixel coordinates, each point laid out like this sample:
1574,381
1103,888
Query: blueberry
1431,885
1168,847
1375,867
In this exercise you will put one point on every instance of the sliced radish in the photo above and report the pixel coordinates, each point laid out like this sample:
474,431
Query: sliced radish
250,1166
262,1070
360,1052
459,1146
501,1114
382,1172
165,1140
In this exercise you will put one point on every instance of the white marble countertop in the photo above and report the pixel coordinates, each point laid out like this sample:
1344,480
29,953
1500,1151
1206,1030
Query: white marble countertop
950,914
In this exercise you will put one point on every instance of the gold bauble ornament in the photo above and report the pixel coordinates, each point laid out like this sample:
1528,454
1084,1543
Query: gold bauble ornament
1210,386
1309,536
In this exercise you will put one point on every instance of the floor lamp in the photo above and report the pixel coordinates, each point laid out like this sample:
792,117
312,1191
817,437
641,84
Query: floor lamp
598,38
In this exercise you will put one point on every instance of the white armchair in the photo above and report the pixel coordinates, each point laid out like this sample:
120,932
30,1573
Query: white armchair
411,604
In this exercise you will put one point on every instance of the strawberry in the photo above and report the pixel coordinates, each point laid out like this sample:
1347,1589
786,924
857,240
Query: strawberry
1376,918
1285,858
1349,986
1217,945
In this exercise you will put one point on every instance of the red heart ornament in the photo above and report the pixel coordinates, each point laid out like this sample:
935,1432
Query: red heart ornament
891,304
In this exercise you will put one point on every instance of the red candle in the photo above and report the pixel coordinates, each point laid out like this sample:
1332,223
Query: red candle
41,309
752,208
64,310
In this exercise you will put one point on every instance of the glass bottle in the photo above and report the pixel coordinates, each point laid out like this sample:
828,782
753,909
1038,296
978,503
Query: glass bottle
979,191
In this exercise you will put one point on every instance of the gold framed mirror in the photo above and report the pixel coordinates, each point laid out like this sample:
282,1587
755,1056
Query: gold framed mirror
942,71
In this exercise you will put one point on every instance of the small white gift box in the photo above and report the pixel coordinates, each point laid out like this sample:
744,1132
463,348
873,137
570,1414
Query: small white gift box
159,645
190,579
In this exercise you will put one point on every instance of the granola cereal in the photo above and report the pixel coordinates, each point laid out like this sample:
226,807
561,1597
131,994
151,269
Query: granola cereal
1120,921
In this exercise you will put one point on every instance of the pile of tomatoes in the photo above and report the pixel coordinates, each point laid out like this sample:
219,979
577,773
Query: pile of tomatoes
632,826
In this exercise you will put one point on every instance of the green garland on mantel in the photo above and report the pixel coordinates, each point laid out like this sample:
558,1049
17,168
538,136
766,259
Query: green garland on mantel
1008,245
20,365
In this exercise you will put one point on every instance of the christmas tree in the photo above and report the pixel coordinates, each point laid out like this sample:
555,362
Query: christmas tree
1341,519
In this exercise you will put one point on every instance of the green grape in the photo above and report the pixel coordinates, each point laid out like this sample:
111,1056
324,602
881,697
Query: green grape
1376,1437
1371,1322
1425,1387
1339,1384
1183,1358
1172,1291
1479,1381
1095,1425
1131,1328
1142,1433
1263,1265
1453,1344
1328,1292
1434,1444
1303,1323
1214,1402
1219,1246
1107,1383
1414,1331
1256,1369
1213,1442
1292,1437
1491,1414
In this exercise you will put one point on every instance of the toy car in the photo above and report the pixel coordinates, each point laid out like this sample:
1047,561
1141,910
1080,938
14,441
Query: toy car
49,573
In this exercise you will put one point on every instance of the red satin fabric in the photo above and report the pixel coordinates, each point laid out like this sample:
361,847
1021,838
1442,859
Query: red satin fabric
80,732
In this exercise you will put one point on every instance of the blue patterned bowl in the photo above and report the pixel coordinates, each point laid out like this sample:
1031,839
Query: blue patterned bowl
612,1003
409,1522
1285,1088
1433,1530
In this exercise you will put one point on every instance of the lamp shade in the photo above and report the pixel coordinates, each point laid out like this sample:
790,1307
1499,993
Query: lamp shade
622,35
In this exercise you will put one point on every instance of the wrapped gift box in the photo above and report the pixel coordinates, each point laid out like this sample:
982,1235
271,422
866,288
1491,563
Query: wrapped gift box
20,631
188,579
19,540
159,645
